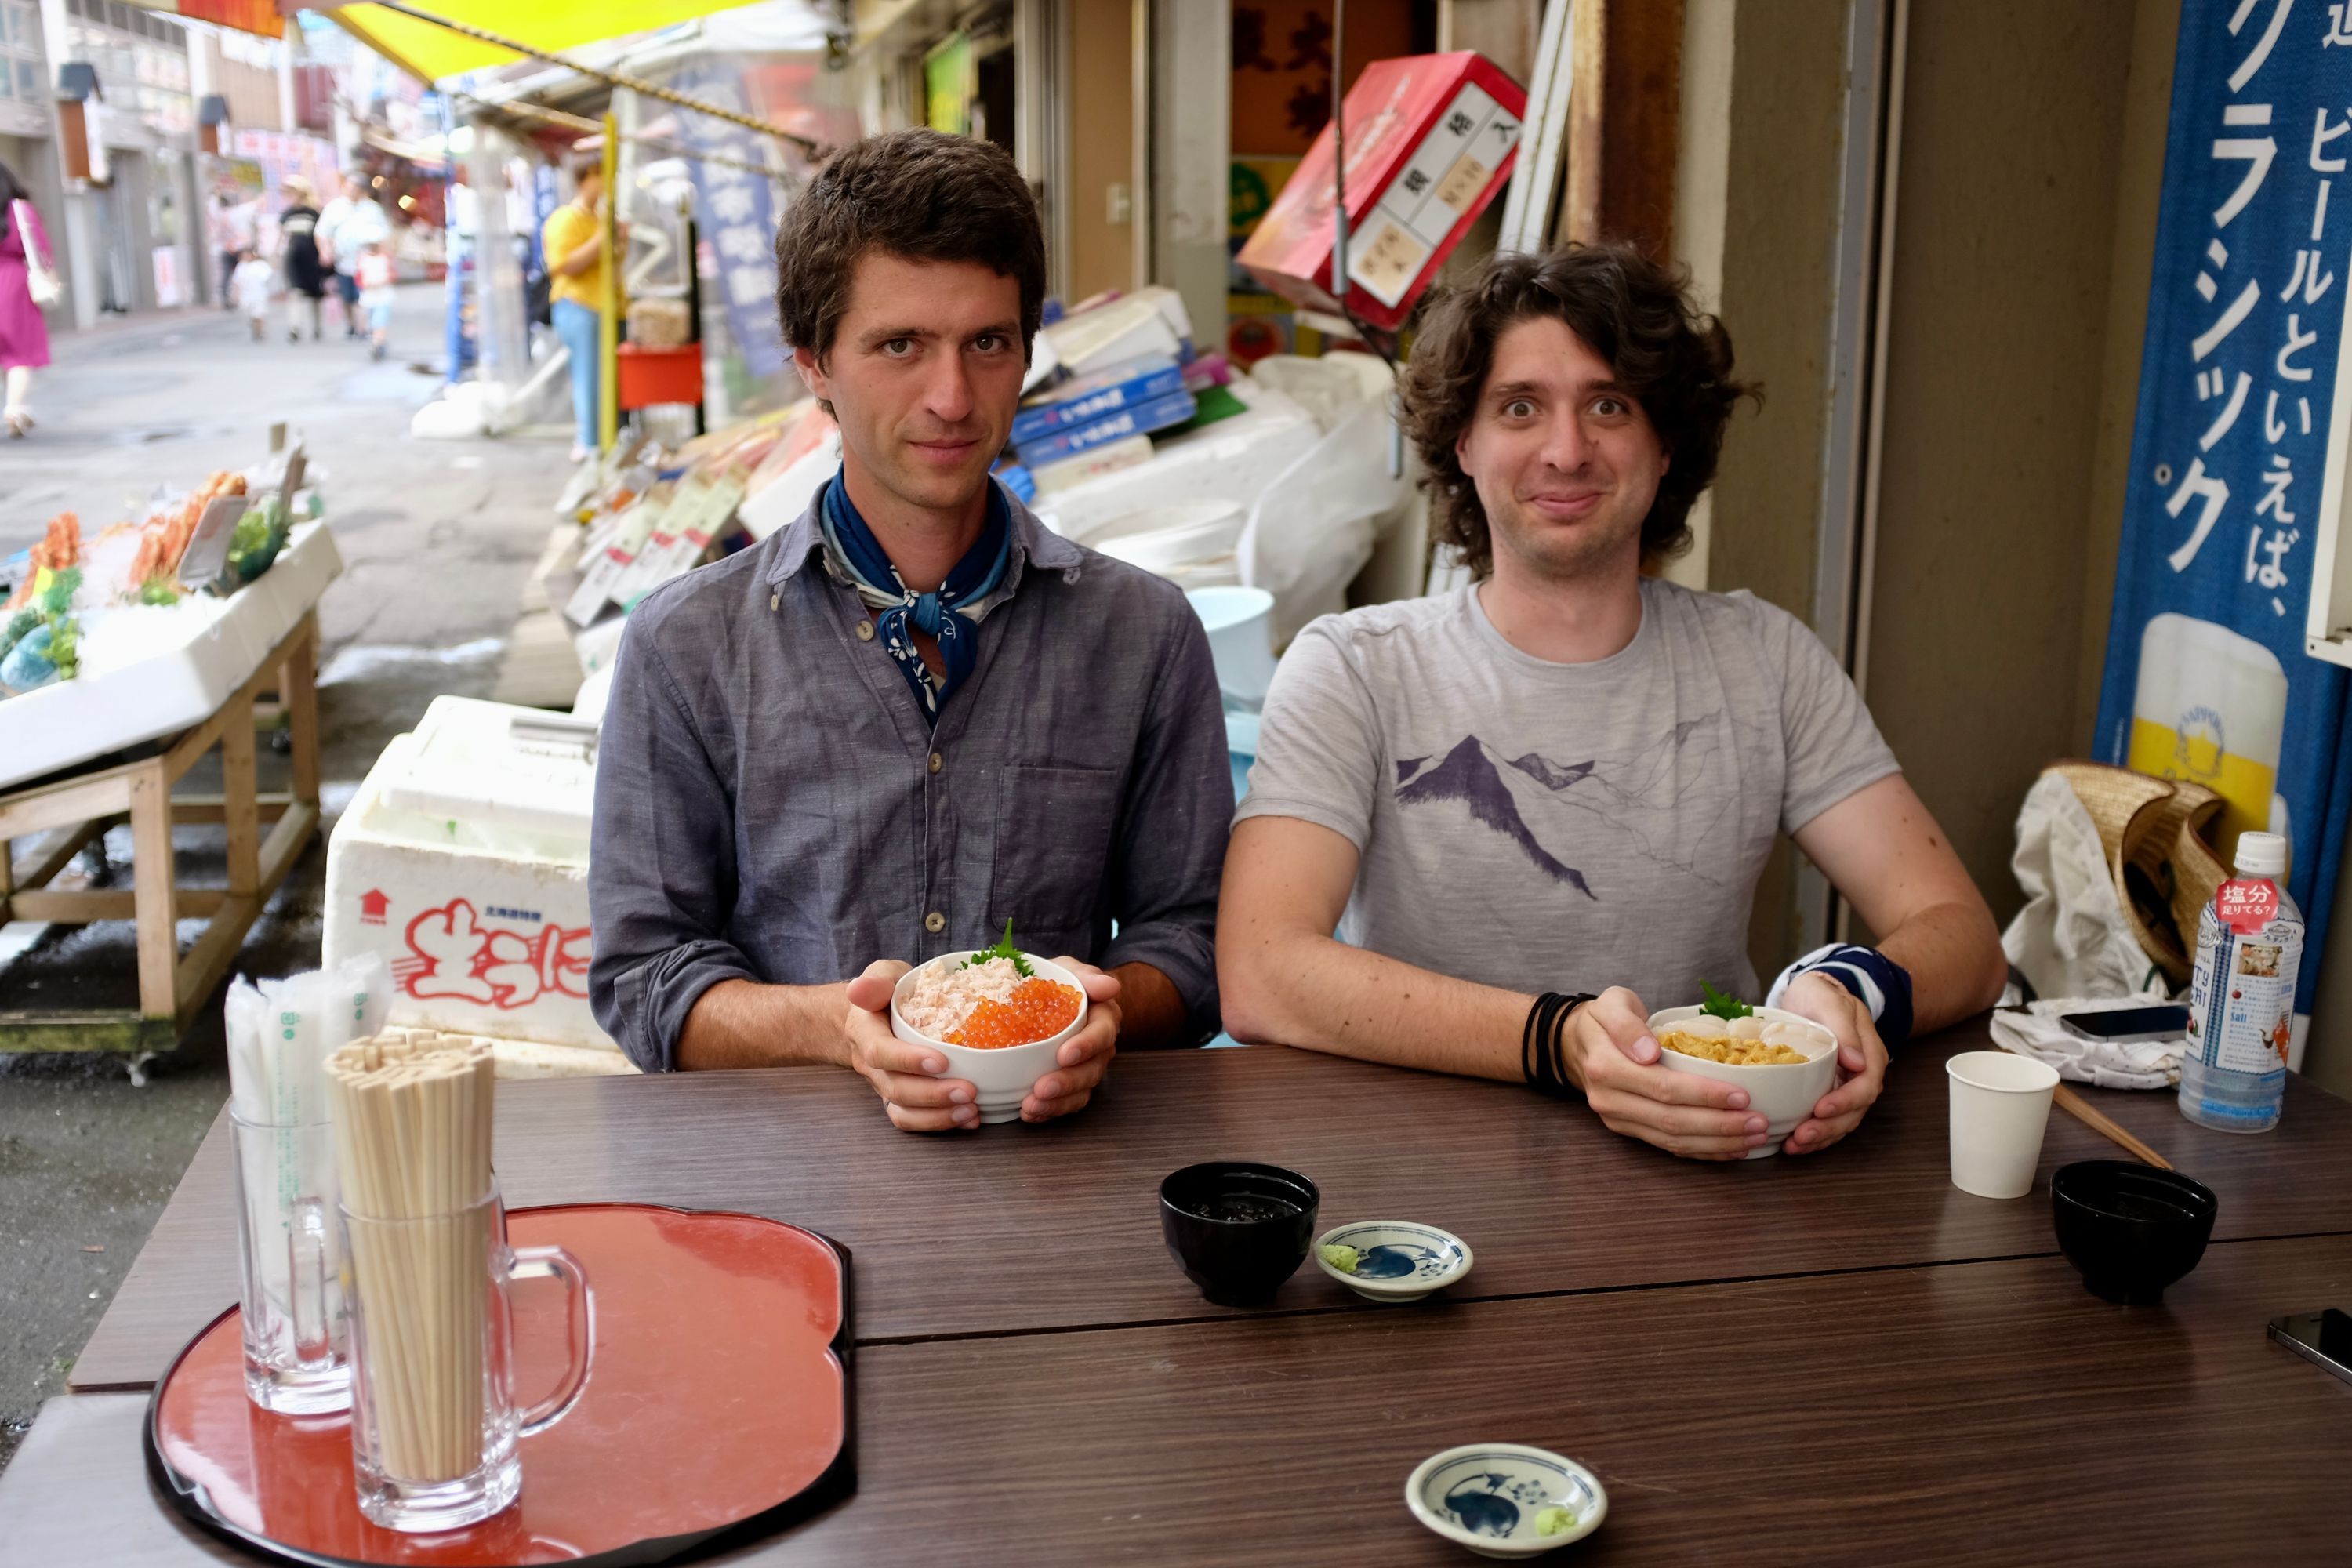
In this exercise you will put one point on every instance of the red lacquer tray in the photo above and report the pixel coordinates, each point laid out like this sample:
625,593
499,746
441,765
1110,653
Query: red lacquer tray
719,1402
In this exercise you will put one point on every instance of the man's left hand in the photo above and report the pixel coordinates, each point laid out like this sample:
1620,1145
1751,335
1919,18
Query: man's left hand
1861,1060
1085,1056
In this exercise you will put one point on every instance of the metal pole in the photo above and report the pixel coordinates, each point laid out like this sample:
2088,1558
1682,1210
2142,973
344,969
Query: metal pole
608,325
1340,155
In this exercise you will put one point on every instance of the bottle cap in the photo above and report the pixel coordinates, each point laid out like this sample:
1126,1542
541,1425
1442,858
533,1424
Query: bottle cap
2261,855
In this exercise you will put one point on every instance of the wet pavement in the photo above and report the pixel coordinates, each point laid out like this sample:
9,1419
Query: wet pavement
438,539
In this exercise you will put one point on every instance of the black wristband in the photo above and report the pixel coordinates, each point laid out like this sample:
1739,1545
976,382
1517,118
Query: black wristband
1541,1059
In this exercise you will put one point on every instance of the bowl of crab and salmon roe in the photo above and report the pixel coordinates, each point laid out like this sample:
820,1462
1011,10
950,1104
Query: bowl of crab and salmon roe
999,1029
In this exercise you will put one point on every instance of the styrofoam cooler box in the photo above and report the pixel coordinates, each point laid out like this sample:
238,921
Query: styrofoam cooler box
463,860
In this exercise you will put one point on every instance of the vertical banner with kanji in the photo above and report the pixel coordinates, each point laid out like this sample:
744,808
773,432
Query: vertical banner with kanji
2206,675
737,213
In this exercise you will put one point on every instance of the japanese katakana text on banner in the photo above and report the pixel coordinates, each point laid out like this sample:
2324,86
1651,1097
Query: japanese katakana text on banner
2206,675
737,213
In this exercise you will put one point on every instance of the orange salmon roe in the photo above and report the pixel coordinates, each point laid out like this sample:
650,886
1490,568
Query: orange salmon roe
1037,1010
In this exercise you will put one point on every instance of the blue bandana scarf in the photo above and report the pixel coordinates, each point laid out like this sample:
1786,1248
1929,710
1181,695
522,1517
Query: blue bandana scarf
944,615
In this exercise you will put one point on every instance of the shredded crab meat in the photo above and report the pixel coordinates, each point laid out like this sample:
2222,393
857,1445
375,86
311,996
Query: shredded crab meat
941,997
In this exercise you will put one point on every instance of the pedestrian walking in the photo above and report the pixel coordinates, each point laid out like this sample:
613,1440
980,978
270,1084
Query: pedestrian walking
346,225
298,253
231,224
573,241
28,285
255,280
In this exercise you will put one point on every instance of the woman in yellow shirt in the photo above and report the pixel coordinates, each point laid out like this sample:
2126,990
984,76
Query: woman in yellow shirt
573,243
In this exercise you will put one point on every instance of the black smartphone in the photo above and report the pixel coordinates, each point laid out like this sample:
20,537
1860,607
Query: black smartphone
2124,1025
2322,1338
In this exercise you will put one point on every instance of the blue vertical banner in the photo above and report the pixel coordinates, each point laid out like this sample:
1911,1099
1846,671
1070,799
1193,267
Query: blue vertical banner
2206,674
736,212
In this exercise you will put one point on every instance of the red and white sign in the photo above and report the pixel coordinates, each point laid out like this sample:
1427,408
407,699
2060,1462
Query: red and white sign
1430,143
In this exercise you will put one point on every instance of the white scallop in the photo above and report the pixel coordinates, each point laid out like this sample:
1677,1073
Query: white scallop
1797,1037
1749,1028
1704,1027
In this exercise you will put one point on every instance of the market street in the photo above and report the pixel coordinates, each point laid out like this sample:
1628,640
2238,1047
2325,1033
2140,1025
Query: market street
437,538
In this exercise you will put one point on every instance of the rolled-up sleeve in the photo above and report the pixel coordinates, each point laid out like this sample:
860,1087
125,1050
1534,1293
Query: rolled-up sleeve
1172,845
661,868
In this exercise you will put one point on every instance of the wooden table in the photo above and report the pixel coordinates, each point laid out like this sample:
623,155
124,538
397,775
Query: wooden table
1819,1359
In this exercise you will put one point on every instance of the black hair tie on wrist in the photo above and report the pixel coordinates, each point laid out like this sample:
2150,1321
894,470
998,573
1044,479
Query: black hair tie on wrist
1541,1061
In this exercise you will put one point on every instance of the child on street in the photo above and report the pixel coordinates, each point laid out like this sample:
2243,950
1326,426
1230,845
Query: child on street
373,276
252,283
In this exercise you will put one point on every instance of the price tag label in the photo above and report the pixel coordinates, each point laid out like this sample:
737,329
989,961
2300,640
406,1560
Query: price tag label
207,553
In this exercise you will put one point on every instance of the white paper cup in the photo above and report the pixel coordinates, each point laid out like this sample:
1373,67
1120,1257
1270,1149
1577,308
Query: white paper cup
2000,1103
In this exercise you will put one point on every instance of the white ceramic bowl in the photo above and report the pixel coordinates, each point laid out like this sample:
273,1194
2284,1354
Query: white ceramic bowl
1001,1078
1486,1496
1404,1260
1783,1094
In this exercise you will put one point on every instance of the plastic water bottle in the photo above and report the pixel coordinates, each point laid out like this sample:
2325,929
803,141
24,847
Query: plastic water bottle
2241,1001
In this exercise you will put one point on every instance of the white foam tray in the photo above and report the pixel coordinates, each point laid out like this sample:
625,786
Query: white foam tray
210,650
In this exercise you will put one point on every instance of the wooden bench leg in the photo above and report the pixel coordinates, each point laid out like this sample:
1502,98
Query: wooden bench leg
155,897
240,811
298,689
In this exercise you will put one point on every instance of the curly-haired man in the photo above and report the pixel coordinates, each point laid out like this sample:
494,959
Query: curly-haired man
915,713
1569,774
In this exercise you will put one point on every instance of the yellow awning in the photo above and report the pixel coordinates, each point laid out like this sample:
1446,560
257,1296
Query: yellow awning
432,53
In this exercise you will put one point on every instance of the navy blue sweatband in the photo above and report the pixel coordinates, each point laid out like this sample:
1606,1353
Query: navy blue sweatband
1883,985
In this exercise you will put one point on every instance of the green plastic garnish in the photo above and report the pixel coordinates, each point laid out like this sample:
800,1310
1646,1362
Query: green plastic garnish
159,589
65,646
1719,1005
1340,1256
1004,949
57,597
1555,1520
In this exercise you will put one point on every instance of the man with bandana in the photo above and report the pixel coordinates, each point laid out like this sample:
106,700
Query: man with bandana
915,713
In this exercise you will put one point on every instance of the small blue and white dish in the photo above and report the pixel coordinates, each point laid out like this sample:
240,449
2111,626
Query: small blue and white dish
1397,1259
1498,1497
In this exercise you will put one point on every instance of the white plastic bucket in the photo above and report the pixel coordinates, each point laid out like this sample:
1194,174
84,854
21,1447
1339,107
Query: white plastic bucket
1240,623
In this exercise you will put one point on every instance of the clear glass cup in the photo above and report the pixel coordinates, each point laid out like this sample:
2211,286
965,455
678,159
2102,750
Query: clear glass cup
434,1417
290,1298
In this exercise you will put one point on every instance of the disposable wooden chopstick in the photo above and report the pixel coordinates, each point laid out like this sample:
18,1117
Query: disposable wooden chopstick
2098,1122
413,1122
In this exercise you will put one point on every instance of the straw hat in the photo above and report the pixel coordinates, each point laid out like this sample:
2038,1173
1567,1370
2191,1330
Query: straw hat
2165,873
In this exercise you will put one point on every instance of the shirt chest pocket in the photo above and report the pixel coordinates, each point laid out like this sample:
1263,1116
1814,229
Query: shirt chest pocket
1055,826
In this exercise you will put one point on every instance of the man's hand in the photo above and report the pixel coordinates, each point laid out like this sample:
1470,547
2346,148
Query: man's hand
1085,1056
910,1077
906,1077
1612,1057
1861,1060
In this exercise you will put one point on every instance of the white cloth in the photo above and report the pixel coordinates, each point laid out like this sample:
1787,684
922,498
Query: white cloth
2034,1031
2070,939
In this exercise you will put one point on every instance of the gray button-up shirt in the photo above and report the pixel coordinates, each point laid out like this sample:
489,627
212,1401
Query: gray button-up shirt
768,807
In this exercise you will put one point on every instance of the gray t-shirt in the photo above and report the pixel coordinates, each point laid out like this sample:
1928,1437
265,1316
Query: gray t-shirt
1562,826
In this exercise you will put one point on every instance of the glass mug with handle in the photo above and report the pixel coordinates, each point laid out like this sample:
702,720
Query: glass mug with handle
289,1297
435,1422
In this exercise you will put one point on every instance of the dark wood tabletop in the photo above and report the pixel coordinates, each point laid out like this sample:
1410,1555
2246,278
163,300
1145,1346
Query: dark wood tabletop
1020,1229
1989,1413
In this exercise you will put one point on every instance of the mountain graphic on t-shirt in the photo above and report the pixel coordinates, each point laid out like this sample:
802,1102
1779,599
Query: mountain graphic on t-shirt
1469,775
1636,801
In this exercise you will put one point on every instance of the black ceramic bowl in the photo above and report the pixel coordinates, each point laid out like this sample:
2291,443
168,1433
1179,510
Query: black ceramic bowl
2132,1230
1238,1230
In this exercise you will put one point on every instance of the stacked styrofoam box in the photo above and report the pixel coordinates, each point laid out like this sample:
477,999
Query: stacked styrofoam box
463,860
154,670
1232,461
